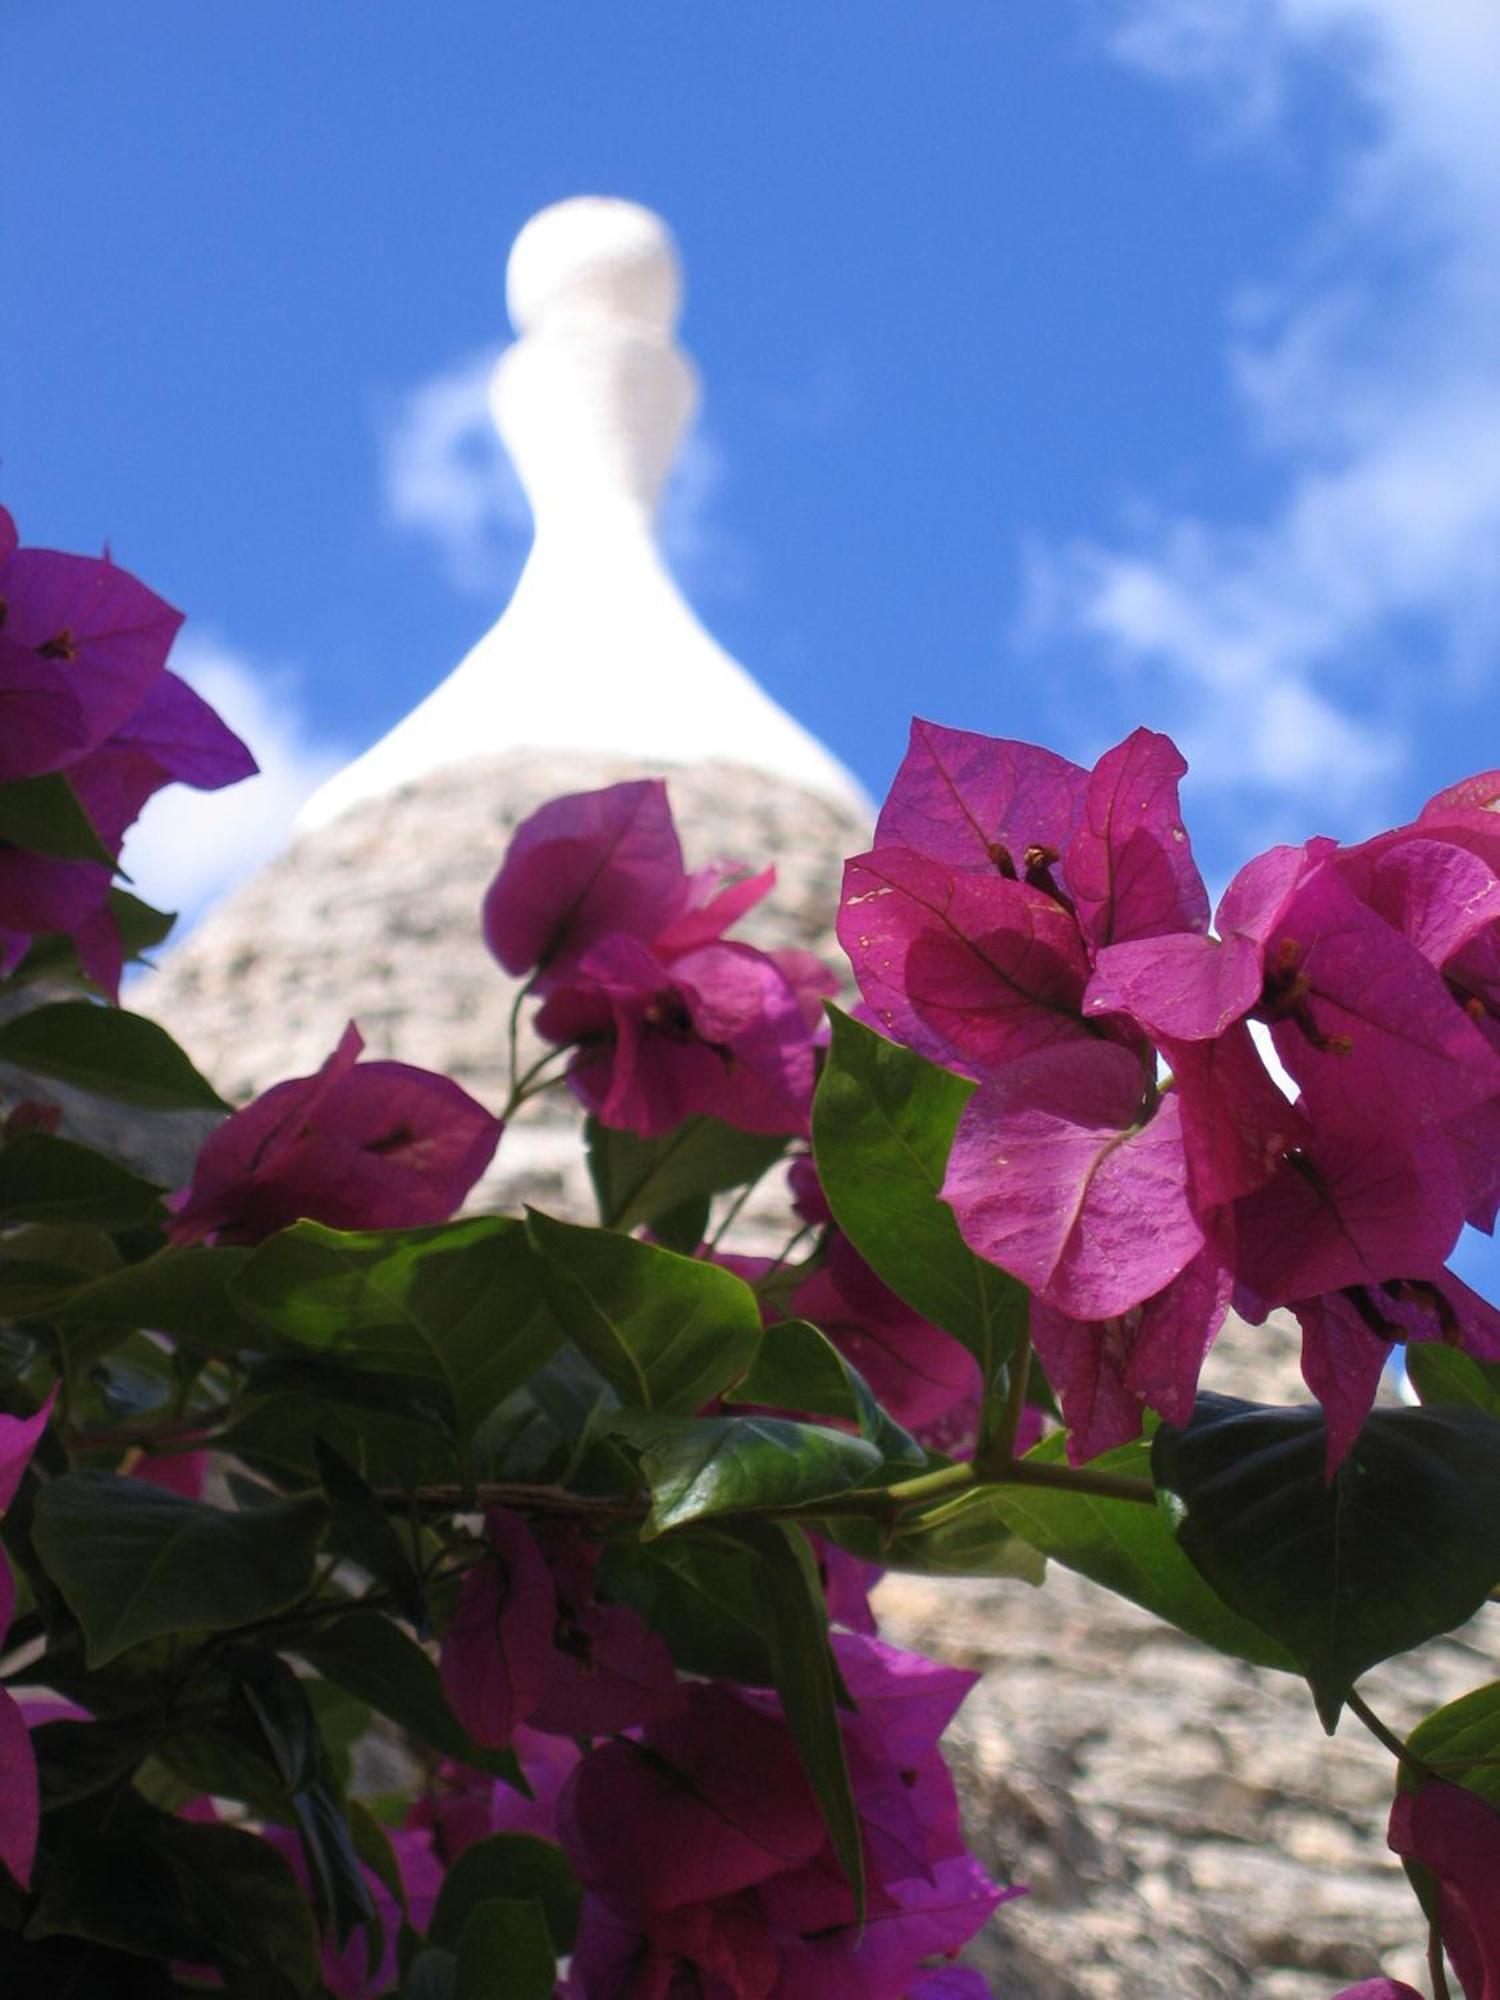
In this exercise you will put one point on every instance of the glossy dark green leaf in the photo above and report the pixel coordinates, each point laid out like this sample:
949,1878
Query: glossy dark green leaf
666,1332
78,1760
698,1467
883,1125
181,1292
47,1179
114,1889
796,1367
243,1895
1131,1549
373,1658
807,1681
360,1527
684,1227
134,1561
279,1701
1402,1544
1461,1742
506,1953
44,816
702,1594
639,1181
277,1433
453,1313
967,1536
510,1867
1443,1374
109,1052
432,1975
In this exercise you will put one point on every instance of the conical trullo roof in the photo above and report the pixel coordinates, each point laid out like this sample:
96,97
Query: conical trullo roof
1183,1826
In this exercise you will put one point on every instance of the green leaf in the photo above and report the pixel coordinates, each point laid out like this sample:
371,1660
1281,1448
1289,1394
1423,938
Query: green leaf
666,1332
505,1953
280,1704
278,1432
432,1975
134,1562
703,1595
453,1313
181,1292
798,1368
968,1536
640,1181
702,1466
883,1125
46,1179
107,1051
78,1760
115,1889
44,816
360,1528
807,1682
243,1895
684,1227
1443,1374
510,1867
1131,1549
1402,1544
373,1658
1461,1741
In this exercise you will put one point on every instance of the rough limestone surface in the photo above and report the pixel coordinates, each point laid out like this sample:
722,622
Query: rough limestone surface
1185,1829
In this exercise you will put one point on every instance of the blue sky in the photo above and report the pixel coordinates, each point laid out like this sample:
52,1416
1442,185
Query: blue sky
1069,363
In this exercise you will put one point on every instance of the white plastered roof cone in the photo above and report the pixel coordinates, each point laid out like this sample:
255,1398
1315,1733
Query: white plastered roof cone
597,650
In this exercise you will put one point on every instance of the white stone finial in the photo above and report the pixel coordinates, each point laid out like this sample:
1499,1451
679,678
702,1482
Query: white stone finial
597,651
594,255
594,397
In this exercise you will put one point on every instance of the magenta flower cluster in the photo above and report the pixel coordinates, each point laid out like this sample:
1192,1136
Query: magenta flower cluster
1127,1152
666,1018
85,694
737,1892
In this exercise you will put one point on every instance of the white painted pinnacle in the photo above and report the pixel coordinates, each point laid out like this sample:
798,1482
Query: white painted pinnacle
597,650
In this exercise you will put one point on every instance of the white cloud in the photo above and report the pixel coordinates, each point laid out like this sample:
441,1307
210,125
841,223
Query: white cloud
1370,370
188,847
449,479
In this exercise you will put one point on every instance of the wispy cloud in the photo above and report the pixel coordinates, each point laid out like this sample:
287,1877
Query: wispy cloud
189,847
449,480
1368,369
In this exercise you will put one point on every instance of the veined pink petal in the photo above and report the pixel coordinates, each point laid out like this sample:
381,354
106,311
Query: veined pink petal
1363,1022
111,632
711,909
969,970
1236,1124
1129,867
18,1440
1342,1362
1378,1989
1351,1210
497,1652
580,868
378,1145
19,1797
1456,1834
721,1790
970,800
1434,893
1054,1178
1183,985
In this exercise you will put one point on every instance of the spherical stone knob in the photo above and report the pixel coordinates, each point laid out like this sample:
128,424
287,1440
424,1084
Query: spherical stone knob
594,257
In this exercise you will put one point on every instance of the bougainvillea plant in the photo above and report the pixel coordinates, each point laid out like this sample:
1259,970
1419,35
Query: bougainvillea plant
399,1598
